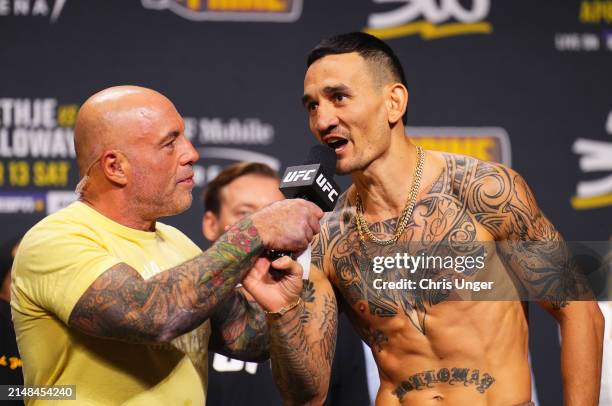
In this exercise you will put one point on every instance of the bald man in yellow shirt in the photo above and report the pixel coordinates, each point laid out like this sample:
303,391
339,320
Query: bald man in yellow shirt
110,300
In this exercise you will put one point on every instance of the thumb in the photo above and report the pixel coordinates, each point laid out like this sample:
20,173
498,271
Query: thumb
288,265
260,267
283,263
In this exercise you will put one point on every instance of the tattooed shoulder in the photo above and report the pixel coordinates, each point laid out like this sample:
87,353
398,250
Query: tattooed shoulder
497,196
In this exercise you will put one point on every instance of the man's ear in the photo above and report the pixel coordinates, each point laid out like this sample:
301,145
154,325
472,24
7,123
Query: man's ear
397,102
115,167
210,226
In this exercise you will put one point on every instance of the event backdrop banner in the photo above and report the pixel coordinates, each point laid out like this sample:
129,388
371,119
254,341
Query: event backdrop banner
519,82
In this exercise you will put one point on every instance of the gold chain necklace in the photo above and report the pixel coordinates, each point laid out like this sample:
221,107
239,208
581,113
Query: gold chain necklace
362,225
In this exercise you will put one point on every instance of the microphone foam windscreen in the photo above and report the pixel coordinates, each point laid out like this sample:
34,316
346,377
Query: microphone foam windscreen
324,155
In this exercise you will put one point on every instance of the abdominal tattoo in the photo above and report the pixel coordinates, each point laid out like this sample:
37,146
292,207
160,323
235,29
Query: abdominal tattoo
451,376
468,193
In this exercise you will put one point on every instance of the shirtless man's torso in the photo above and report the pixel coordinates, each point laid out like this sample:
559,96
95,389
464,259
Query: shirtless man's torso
436,351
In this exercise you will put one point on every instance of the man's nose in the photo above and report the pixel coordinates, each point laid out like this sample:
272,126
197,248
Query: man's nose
190,154
325,118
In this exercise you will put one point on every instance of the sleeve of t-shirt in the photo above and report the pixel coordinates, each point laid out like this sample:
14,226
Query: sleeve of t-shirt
56,264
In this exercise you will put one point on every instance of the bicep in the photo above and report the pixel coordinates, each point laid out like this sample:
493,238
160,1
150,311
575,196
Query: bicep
534,251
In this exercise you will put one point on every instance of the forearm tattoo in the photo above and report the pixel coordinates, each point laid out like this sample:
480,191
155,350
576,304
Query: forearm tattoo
240,329
121,305
303,345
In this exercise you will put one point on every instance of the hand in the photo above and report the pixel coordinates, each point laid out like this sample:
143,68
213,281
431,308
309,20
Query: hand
270,292
288,225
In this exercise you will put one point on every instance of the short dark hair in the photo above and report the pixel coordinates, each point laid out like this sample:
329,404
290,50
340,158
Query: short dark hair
368,47
211,194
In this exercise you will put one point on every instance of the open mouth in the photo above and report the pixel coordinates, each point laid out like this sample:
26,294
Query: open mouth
337,144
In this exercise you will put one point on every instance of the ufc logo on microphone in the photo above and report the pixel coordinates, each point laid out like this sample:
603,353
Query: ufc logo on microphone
326,187
294,176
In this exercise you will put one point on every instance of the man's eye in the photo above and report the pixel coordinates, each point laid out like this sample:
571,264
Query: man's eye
339,97
312,106
171,143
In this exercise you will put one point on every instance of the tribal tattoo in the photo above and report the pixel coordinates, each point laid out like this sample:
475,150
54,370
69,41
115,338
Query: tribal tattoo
451,376
303,344
469,195
121,305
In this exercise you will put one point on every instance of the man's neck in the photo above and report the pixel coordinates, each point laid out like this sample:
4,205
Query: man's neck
385,184
120,212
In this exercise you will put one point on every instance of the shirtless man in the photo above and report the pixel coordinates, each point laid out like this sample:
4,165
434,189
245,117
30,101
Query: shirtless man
434,352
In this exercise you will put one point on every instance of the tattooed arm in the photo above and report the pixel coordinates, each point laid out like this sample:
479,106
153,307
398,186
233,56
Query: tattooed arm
121,305
303,344
303,340
536,253
240,329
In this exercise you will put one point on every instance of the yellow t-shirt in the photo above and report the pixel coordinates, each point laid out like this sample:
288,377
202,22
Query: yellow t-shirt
57,260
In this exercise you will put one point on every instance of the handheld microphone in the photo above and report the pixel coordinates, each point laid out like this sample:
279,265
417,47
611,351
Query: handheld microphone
312,181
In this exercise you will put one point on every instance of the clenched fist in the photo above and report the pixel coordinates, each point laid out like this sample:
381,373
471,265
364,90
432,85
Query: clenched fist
270,292
288,225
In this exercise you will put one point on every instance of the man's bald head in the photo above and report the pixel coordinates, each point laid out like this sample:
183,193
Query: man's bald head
112,119
135,161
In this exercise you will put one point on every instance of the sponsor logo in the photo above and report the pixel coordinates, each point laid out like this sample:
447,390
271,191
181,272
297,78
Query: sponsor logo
430,19
22,202
304,177
282,11
595,157
485,143
294,176
591,13
309,182
250,131
595,12
32,8
35,202
327,187
235,133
